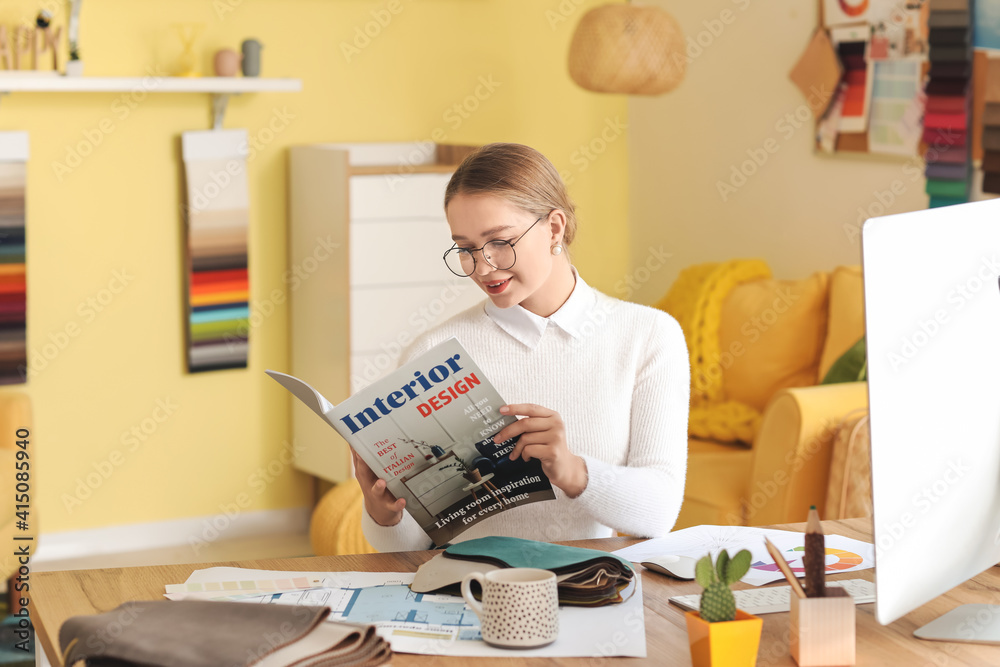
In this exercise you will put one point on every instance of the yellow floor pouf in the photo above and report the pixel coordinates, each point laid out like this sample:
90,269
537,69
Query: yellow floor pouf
335,527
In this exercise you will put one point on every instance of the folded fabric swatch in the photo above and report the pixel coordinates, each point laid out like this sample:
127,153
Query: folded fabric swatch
199,633
518,552
584,576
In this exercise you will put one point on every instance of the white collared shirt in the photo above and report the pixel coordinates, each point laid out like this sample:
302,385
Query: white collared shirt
619,376
528,328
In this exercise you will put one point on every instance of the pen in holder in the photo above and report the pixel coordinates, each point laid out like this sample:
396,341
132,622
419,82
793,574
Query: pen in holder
822,617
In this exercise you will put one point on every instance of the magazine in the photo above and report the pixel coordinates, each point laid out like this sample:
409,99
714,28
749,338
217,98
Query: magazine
427,430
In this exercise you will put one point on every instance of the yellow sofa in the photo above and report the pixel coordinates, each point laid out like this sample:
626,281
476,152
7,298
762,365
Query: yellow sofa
15,413
761,425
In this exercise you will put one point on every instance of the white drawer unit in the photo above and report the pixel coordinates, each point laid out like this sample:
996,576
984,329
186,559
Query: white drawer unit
396,197
367,232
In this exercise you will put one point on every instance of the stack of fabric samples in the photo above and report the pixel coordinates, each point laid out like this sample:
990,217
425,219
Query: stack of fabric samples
585,577
200,633
948,112
991,129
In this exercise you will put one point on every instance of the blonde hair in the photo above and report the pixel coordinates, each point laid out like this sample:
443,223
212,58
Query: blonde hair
518,174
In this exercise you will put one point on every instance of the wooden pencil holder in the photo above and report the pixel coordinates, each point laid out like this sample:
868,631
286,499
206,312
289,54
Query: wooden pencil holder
822,629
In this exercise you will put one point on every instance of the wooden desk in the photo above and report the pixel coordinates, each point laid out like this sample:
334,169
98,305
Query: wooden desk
60,595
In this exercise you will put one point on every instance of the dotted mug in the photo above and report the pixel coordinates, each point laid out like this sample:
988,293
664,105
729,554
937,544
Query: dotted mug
520,607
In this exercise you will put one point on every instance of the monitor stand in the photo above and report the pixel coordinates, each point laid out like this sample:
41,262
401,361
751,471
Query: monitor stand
972,623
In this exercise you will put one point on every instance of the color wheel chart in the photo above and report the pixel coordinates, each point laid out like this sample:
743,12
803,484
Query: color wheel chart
843,554
841,560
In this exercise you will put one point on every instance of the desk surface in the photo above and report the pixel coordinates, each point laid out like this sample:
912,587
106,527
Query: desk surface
57,596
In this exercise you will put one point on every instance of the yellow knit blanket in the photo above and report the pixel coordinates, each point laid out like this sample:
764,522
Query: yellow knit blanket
695,301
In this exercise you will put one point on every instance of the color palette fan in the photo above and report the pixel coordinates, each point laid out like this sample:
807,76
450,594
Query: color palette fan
13,292
991,129
218,220
948,111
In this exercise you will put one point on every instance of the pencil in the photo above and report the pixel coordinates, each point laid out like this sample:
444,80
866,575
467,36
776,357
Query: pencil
782,564
814,558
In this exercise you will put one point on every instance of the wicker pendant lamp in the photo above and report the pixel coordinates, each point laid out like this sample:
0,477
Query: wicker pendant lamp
624,48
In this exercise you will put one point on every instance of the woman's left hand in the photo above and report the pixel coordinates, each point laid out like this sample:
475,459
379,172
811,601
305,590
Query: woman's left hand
543,437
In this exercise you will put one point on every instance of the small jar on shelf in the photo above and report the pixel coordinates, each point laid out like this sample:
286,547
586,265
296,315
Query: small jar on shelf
74,66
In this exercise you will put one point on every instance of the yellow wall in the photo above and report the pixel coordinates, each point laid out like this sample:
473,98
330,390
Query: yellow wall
798,210
119,211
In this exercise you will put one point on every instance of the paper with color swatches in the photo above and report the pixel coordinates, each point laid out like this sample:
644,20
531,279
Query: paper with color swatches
270,585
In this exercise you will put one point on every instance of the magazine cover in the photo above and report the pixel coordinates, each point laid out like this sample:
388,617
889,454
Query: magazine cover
427,430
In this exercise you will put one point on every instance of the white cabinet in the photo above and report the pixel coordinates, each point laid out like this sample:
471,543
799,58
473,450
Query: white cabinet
367,232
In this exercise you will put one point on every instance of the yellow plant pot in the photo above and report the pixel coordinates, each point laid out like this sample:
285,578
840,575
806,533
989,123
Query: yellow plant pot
727,644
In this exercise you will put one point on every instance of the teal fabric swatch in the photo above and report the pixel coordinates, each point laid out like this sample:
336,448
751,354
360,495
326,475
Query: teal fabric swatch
518,552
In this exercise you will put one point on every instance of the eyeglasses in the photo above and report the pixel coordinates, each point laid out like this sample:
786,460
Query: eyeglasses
498,253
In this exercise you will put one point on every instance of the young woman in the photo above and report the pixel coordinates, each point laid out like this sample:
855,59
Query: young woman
600,386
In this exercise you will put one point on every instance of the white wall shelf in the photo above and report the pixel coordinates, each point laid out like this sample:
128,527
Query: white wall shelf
220,87
54,83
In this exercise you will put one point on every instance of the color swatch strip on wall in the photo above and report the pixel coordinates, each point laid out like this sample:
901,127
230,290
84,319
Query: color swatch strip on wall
13,292
949,103
854,114
218,306
991,128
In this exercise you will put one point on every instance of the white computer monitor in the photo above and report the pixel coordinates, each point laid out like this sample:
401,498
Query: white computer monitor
932,317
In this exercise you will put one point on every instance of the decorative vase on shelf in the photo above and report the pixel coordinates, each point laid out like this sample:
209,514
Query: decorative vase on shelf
188,34
227,62
74,68
251,57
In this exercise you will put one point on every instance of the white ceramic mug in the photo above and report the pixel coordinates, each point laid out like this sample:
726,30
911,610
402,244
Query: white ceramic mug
520,606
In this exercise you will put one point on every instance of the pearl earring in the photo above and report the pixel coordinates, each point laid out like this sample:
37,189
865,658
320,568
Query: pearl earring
557,250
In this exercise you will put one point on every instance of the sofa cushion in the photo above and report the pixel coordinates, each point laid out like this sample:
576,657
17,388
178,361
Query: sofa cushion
846,315
717,475
849,492
771,337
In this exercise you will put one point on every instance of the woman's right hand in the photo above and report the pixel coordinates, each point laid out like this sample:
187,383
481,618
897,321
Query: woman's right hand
383,507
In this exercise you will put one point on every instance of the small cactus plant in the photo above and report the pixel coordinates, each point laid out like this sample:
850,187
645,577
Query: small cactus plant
717,601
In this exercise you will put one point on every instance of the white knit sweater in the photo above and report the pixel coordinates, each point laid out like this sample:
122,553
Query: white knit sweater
618,374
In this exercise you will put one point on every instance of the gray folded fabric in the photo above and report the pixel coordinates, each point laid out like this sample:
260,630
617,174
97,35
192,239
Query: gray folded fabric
332,645
200,633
